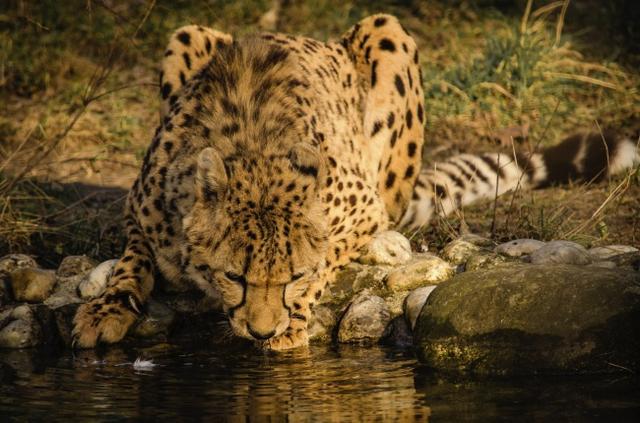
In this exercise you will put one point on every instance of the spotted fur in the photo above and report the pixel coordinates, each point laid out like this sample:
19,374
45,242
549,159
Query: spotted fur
278,157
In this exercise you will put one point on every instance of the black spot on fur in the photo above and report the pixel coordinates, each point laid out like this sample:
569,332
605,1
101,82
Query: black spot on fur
399,85
376,127
391,178
387,44
166,90
184,38
409,119
374,74
412,147
379,22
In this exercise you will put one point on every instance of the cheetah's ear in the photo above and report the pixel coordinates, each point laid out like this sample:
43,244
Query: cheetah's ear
212,178
306,160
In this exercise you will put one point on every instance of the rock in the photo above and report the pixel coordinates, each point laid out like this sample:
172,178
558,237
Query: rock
352,279
62,298
605,253
365,319
604,264
22,331
628,259
519,247
6,296
12,262
8,264
526,319
157,321
423,269
484,260
322,322
414,302
94,283
397,333
458,251
75,265
389,247
561,252
32,284
19,334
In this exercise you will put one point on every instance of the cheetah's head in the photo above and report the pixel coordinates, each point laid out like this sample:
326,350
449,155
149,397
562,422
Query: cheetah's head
259,228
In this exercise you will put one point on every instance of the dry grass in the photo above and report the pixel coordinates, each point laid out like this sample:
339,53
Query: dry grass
72,123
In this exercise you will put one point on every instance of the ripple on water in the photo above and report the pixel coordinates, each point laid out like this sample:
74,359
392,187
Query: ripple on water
337,384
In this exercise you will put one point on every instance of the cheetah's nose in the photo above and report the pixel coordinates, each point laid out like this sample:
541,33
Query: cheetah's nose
260,336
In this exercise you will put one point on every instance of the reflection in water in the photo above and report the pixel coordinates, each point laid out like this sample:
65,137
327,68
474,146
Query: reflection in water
322,384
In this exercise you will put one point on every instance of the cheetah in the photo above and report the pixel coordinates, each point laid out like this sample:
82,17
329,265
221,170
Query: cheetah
278,158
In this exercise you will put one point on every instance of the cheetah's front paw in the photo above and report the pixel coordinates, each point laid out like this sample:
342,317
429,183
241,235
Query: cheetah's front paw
106,319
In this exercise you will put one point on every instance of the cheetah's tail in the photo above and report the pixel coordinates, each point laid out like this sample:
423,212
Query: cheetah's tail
466,178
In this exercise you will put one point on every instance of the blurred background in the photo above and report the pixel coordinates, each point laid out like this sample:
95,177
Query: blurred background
79,103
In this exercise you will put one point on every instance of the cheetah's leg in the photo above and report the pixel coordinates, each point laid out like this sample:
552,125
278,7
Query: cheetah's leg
107,318
386,58
189,49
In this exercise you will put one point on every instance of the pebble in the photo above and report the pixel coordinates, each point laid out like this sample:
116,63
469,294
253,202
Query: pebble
605,253
32,284
459,250
94,284
157,321
12,262
75,265
519,247
23,331
414,302
423,269
322,322
365,319
389,247
483,260
561,252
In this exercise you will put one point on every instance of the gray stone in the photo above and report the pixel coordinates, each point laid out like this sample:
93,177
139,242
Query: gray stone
8,264
605,253
32,284
459,250
484,260
95,282
62,298
22,330
6,296
414,302
20,334
389,247
628,259
365,319
12,262
157,321
322,322
75,265
352,279
397,334
561,252
525,319
423,269
519,247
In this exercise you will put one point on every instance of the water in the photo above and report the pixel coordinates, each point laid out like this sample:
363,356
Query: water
344,383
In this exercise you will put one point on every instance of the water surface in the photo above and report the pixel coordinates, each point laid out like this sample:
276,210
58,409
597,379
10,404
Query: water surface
345,383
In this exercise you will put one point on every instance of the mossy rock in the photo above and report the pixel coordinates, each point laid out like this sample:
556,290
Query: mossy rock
528,319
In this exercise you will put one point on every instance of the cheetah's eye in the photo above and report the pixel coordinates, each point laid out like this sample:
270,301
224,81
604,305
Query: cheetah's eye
297,276
235,277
